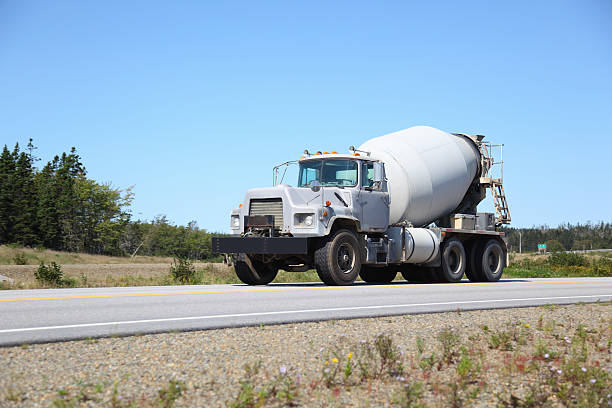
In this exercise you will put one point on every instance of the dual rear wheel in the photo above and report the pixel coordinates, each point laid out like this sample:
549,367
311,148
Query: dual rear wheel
487,261
480,261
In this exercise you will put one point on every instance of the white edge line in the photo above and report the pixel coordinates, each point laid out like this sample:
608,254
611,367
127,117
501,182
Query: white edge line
281,312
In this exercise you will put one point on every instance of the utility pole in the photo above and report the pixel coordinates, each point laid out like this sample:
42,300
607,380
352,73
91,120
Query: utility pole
520,242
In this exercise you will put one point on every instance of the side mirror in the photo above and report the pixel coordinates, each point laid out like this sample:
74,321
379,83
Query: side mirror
315,185
379,176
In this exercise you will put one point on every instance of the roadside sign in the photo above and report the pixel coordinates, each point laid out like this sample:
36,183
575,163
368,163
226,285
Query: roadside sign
542,246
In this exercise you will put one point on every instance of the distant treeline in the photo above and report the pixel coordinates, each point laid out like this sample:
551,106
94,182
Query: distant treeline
565,237
59,208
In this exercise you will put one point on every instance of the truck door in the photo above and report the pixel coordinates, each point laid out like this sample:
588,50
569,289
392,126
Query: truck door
374,202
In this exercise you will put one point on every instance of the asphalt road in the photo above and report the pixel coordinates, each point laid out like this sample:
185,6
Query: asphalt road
34,316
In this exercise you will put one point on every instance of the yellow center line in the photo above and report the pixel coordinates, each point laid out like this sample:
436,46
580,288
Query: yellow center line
117,295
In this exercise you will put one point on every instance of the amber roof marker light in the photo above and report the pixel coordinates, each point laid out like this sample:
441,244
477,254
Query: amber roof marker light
354,151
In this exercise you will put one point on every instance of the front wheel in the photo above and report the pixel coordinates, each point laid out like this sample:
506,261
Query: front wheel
372,274
338,261
257,273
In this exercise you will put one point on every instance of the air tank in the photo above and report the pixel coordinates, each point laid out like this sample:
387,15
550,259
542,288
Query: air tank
428,172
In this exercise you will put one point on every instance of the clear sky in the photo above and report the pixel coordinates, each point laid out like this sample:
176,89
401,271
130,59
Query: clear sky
194,102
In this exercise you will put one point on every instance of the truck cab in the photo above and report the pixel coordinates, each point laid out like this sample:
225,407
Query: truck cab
330,187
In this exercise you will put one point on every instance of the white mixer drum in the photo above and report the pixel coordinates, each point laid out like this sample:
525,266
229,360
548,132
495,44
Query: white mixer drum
428,171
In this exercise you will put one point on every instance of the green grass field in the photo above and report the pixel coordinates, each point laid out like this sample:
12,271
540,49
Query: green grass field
560,264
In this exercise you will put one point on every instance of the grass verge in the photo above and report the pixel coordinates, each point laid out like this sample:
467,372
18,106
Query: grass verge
559,265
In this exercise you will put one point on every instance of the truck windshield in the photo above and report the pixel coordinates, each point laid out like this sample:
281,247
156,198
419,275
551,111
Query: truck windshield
334,172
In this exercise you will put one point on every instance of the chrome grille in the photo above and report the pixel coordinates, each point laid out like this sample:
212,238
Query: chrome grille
268,206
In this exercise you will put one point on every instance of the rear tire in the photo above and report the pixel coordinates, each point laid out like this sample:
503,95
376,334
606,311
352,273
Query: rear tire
338,261
453,261
492,261
420,274
470,268
262,275
372,274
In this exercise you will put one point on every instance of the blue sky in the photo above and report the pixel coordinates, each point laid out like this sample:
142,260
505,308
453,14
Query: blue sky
193,103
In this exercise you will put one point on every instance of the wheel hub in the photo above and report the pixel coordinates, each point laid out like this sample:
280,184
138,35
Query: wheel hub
346,258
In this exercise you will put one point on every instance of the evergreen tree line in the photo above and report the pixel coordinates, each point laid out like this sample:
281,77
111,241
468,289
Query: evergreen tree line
566,237
59,208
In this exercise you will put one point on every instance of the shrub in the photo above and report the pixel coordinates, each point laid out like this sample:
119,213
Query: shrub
561,259
602,267
552,245
52,275
49,274
20,259
183,272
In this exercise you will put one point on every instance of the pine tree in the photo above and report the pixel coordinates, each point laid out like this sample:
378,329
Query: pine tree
68,202
24,205
7,175
49,230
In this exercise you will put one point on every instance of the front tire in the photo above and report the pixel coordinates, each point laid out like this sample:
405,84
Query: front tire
261,274
373,274
338,261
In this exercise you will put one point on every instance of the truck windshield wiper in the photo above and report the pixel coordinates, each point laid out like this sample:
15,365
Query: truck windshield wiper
341,199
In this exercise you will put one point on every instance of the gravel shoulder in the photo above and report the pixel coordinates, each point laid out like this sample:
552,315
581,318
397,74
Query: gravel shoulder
296,363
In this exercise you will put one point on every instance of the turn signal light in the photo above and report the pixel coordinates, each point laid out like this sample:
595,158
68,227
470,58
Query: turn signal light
325,213
327,203
240,206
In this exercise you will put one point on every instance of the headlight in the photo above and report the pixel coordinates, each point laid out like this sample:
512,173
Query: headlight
235,223
304,220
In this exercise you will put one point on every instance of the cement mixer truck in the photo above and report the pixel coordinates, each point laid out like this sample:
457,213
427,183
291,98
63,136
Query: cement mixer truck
404,202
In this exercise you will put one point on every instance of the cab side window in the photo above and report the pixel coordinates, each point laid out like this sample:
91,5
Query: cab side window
367,174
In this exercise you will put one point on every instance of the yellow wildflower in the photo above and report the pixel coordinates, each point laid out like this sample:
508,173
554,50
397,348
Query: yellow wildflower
334,360
326,362
350,355
527,325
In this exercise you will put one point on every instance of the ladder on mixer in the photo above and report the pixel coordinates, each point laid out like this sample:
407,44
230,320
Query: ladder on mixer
501,205
495,184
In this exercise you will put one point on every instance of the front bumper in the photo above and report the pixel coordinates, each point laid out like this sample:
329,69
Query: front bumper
260,245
